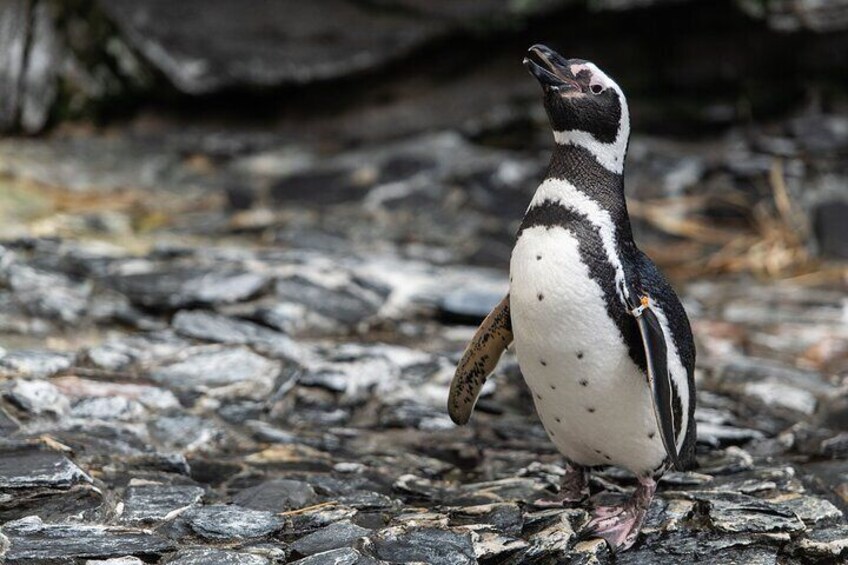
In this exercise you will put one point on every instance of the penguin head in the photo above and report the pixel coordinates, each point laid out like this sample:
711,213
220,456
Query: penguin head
585,106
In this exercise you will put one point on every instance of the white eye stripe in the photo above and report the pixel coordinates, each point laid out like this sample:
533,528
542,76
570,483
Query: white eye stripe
598,76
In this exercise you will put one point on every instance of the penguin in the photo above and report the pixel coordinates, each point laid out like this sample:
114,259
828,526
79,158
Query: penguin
601,338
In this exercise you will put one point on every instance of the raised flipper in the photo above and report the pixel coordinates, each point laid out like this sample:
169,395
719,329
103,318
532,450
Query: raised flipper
659,377
479,360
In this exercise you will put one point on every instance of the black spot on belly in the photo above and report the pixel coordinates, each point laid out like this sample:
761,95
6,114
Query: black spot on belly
598,451
553,387
590,410
540,296
543,362
580,355
538,257
584,382
539,396
651,435
558,420
607,457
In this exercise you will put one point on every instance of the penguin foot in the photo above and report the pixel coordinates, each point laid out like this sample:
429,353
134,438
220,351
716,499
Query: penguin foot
620,525
574,489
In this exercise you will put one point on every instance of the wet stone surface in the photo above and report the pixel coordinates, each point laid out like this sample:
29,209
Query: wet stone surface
266,383
216,437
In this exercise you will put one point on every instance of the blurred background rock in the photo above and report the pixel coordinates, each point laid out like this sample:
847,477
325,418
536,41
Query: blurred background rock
739,112
243,243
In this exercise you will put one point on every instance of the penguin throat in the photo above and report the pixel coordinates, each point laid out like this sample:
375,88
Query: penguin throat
609,155
574,171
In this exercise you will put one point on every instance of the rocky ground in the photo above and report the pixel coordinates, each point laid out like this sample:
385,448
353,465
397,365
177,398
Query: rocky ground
231,309
220,347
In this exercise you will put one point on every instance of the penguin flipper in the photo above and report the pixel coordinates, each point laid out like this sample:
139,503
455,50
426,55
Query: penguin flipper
479,360
659,377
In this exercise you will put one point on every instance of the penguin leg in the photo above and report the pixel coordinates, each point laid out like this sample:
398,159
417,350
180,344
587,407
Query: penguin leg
573,489
620,525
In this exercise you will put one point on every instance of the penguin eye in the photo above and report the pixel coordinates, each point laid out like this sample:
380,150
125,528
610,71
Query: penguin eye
596,88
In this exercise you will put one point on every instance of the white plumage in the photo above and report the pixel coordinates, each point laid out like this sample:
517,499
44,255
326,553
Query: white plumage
567,338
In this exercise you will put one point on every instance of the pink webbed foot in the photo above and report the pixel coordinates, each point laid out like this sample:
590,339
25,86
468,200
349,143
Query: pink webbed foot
574,489
620,525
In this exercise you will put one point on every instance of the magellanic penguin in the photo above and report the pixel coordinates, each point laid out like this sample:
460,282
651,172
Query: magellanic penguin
600,336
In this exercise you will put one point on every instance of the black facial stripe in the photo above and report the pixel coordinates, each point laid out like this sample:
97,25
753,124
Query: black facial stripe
592,252
596,114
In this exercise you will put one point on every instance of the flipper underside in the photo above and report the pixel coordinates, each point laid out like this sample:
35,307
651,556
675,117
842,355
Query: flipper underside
479,360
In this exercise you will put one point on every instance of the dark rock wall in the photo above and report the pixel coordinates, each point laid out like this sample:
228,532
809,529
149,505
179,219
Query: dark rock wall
685,62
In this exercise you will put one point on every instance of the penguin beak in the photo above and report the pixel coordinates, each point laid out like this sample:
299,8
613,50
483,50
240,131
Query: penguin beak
550,68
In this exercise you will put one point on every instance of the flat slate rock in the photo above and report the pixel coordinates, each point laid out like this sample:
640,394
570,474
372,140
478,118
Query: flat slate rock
343,556
278,495
32,541
221,522
107,408
334,536
827,543
34,468
115,561
468,306
206,368
747,514
210,556
46,294
145,348
344,304
427,545
209,326
147,504
181,288
185,431
36,397
504,517
725,556
35,363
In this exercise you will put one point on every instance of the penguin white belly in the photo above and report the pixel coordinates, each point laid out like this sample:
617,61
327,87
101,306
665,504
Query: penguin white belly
593,400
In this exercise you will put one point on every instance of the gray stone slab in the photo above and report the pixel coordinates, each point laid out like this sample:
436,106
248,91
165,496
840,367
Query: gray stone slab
148,504
334,536
428,545
222,522
206,368
32,541
30,468
209,556
35,363
278,495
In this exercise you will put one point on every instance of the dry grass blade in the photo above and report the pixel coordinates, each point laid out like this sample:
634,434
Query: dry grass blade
774,248
668,216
